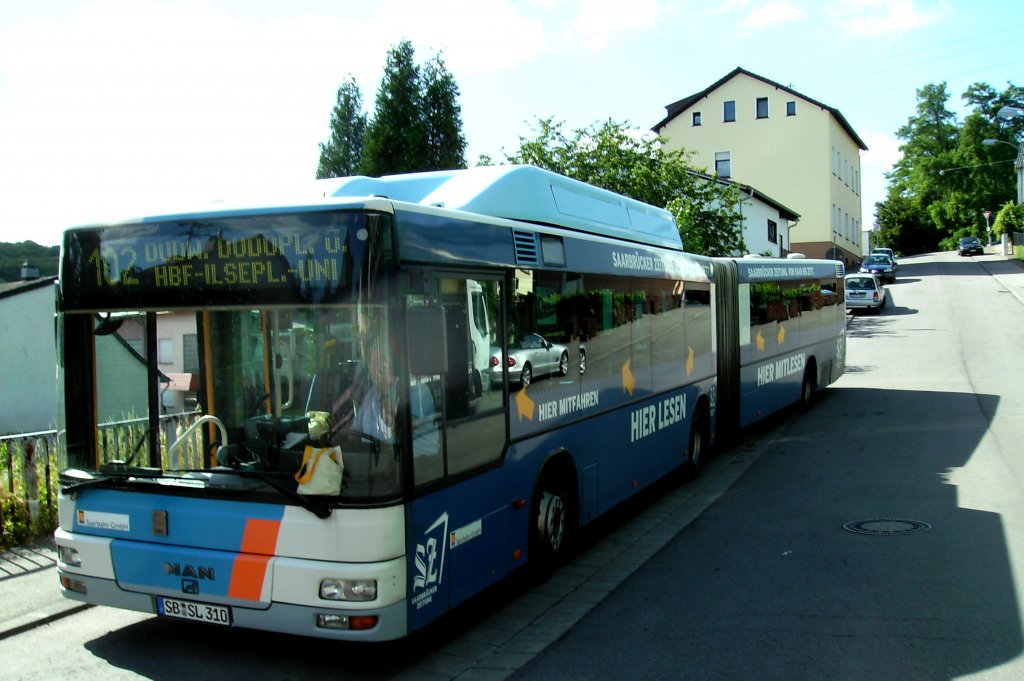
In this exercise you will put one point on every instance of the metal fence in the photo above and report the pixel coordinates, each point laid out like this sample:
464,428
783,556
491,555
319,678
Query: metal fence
30,464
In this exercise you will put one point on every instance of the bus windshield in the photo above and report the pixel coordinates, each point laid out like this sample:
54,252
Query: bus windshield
251,390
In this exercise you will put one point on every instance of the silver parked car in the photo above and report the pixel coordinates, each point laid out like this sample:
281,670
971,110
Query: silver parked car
865,292
533,356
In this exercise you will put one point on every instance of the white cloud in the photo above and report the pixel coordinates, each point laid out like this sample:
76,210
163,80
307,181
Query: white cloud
597,21
878,18
121,104
882,154
772,14
475,36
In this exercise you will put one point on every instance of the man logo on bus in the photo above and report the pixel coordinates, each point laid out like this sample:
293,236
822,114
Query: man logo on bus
430,562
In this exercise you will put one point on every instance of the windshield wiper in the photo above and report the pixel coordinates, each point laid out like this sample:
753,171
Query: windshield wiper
75,479
319,510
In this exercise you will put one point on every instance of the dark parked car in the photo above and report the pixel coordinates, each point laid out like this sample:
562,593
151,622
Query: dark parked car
970,245
881,266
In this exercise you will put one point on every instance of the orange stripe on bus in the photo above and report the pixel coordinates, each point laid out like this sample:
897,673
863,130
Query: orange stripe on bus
247,575
250,566
260,536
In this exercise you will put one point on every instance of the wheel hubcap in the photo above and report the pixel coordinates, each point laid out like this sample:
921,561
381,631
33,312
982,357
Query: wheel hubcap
695,450
551,520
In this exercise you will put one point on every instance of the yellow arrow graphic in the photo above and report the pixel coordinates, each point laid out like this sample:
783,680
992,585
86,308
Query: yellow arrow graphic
628,382
760,341
690,360
782,334
525,405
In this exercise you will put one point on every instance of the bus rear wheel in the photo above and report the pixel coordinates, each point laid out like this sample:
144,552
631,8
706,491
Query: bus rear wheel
551,522
809,388
698,444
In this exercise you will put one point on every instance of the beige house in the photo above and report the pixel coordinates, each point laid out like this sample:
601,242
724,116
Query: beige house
801,152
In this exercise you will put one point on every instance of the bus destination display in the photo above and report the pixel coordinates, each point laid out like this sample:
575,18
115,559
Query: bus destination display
228,260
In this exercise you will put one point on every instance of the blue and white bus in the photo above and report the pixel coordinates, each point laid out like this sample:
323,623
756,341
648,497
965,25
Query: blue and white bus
343,416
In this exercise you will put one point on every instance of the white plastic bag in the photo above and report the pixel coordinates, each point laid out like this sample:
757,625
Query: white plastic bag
321,471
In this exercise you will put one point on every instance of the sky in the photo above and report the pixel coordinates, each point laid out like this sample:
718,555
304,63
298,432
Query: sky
116,108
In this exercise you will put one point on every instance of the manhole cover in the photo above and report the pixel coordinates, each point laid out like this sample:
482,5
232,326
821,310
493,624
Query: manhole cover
885,527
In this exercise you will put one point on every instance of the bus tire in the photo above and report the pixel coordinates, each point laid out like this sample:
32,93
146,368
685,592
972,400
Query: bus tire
698,444
552,519
809,389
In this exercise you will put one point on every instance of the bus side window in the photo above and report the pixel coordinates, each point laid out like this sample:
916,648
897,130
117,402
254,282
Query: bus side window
474,414
457,420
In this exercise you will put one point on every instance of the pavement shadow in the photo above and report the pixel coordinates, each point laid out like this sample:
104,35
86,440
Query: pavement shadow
768,583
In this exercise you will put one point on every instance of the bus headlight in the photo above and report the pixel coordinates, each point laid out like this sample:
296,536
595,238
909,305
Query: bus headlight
332,589
68,556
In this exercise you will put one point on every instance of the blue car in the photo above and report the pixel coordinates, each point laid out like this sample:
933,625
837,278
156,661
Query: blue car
881,266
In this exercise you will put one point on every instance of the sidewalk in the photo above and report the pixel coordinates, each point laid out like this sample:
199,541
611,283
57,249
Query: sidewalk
1008,271
29,593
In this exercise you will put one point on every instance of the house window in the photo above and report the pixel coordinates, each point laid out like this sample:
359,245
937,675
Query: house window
165,351
773,232
762,107
696,118
190,353
730,111
791,108
723,165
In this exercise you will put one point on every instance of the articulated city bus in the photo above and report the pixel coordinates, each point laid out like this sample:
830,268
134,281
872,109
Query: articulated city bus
342,416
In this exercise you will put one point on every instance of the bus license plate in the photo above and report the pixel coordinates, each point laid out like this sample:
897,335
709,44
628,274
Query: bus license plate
197,612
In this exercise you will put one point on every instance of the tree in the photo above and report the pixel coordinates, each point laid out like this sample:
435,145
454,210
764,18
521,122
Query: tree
416,124
904,227
708,220
13,255
342,155
396,138
446,144
1010,219
611,157
947,177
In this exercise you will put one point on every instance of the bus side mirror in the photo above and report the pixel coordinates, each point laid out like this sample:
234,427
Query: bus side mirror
427,341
